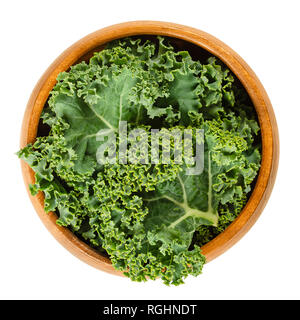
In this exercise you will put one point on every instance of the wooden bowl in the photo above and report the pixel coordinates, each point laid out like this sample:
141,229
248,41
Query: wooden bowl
95,41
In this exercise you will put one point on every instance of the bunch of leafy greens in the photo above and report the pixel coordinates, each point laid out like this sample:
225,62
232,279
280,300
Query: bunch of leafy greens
151,220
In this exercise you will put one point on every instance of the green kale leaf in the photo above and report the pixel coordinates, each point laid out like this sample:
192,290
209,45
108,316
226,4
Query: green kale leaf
150,218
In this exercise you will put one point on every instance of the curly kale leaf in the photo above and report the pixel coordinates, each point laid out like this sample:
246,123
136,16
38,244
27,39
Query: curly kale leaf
150,218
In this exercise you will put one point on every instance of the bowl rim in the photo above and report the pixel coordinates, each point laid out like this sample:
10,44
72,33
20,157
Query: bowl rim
269,131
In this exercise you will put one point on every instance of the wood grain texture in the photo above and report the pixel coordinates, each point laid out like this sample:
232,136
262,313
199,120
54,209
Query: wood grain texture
95,41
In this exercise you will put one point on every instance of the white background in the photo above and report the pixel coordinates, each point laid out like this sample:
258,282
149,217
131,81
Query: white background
265,264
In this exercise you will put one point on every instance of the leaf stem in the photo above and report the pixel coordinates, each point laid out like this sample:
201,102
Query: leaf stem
209,190
183,190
